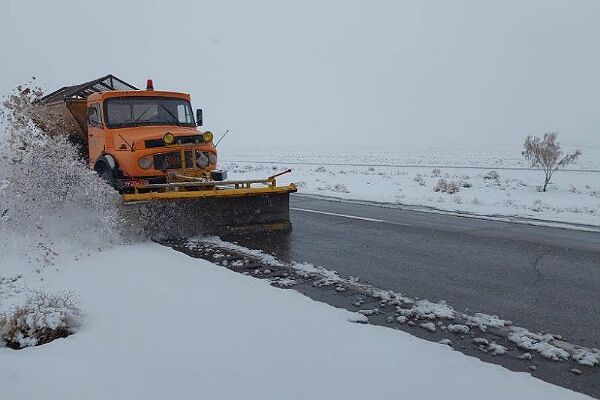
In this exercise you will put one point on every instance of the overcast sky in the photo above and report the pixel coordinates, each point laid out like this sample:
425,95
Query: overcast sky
337,72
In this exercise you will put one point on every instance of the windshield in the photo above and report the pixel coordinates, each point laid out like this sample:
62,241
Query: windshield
137,111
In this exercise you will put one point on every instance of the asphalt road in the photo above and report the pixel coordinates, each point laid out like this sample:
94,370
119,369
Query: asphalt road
544,279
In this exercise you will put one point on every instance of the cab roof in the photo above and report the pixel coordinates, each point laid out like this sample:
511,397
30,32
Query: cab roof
137,93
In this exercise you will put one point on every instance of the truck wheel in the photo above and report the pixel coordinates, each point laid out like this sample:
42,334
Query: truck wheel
106,173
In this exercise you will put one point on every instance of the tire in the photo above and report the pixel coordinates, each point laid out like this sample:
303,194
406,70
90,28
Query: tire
108,175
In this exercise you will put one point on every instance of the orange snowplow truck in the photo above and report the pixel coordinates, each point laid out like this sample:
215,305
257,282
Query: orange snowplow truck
147,145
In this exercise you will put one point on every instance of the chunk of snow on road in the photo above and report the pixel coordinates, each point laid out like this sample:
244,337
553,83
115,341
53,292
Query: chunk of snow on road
425,309
530,341
481,341
586,357
308,270
447,342
284,282
429,326
216,241
526,356
369,312
483,321
496,349
575,371
458,328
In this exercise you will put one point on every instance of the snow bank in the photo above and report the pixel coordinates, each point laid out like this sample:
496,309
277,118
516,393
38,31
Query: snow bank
161,324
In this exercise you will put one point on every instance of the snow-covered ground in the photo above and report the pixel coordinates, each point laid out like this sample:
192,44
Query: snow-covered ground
493,181
160,324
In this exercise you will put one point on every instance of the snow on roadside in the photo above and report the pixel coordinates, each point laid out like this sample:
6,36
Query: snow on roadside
547,345
161,324
572,197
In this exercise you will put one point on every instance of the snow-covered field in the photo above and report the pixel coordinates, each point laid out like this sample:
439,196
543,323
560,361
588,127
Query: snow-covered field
160,324
492,180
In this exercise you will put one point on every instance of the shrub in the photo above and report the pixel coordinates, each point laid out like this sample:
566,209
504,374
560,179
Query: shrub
436,172
419,179
452,187
491,175
440,186
42,319
445,186
340,188
545,154
573,189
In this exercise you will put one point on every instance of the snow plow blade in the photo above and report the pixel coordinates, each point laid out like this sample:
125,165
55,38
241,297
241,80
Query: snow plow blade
188,207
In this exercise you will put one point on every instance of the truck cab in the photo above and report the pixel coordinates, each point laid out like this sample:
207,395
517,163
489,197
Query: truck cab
138,135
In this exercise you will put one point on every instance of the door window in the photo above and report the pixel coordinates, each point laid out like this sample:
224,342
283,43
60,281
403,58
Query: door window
94,115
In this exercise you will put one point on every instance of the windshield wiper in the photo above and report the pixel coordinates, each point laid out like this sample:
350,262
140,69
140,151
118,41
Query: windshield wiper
141,115
172,115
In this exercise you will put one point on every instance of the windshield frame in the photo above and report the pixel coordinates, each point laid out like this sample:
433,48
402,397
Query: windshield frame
106,116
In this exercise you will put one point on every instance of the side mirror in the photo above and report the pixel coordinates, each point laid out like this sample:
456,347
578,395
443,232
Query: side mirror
199,117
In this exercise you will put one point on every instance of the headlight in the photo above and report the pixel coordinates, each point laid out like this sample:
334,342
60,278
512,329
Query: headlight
168,138
145,162
202,160
212,158
207,136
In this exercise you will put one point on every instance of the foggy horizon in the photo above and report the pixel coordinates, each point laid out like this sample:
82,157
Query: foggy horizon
340,73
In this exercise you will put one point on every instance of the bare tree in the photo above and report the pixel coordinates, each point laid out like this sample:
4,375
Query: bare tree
545,154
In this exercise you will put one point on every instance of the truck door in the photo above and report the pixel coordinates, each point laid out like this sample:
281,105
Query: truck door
96,136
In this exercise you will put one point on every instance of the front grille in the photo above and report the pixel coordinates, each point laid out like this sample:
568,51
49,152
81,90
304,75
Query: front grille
167,161
150,143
